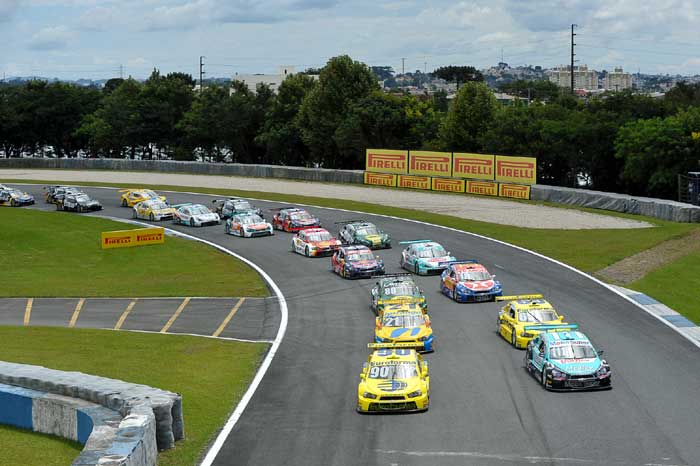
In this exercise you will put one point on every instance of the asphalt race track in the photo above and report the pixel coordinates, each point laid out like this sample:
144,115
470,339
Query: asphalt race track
485,409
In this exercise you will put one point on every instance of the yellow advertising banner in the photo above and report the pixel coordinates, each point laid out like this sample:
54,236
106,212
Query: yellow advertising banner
485,188
521,170
413,182
130,238
474,166
381,179
386,161
448,184
430,163
515,191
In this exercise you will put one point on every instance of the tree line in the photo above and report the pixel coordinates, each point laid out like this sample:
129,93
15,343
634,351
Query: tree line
619,142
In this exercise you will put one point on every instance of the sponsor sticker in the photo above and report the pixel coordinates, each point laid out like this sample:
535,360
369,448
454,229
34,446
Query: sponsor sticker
474,166
484,188
130,238
430,163
387,161
380,179
514,191
522,170
413,182
448,184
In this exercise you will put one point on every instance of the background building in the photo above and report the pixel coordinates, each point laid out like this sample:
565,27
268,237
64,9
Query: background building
617,80
583,77
272,80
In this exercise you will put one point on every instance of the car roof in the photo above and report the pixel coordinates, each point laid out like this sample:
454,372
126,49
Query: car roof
567,337
389,355
468,267
426,245
355,248
314,230
397,279
413,310
523,304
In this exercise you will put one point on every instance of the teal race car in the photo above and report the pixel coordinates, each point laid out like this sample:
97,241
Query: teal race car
364,233
563,359
424,257
397,289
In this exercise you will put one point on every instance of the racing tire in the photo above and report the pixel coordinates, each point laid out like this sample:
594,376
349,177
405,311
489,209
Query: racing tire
227,229
151,217
13,203
416,269
543,378
124,203
454,296
191,222
133,214
307,253
513,339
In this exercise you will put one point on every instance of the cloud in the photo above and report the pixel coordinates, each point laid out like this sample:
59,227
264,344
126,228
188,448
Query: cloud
8,8
51,38
100,19
551,15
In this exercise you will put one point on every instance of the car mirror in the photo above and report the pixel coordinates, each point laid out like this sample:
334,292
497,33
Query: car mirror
493,276
363,376
601,352
561,318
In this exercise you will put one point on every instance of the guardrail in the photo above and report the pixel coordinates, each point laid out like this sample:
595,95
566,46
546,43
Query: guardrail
657,208
135,421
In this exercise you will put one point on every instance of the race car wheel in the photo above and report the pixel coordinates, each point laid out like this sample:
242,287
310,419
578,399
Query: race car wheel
227,229
191,222
514,339
416,269
151,217
454,295
133,214
124,203
543,378
307,253
12,203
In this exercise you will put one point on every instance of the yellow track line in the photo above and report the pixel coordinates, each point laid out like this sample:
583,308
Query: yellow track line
228,318
76,313
125,314
28,311
176,315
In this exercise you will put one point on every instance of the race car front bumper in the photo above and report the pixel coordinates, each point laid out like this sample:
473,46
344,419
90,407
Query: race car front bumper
322,252
257,233
423,346
393,404
478,296
365,273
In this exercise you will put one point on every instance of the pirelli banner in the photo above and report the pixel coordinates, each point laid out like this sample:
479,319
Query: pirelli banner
430,163
413,182
451,185
387,161
473,166
519,170
484,188
131,238
381,179
515,191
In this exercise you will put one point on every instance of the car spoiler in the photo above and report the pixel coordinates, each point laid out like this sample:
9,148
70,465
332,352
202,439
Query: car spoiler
551,327
519,296
177,206
446,263
393,345
393,275
277,209
415,241
344,222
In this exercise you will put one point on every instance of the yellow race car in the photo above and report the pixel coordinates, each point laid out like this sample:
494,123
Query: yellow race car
131,197
404,323
154,210
394,379
525,310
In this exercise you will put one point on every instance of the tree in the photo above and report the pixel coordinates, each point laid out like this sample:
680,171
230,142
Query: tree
208,124
383,72
538,89
342,82
683,95
458,74
468,118
185,78
112,84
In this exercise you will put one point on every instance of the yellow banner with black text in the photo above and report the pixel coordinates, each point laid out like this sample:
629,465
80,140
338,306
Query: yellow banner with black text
131,238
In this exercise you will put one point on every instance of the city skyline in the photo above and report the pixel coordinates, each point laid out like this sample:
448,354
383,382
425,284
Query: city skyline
94,39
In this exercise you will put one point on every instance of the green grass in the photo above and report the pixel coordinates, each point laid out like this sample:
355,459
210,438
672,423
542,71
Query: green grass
211,375
59,254
20,447
588,250
676,285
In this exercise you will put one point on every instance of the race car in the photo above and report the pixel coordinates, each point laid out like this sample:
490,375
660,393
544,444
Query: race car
314,242
154,210
131,197
292,219
468,280
396,289
563,359
424,257
521,311
227,208
394,379
404,323
56,192
248,225
80,202
364,233
356,262
15,198
195,215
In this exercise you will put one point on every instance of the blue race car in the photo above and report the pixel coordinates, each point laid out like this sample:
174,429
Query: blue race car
563,359
424,257
466,281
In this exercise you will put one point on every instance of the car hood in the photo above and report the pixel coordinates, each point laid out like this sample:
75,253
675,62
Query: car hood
257,226
480,285
434,261
365,264
402,333
325,244
393,386
577,366
374,239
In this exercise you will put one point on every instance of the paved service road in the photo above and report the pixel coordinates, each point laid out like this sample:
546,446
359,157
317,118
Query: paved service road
485,409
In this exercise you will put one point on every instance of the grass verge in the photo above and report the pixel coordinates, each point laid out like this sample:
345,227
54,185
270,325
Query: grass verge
211,375
58,254
587,250
676,285
21,448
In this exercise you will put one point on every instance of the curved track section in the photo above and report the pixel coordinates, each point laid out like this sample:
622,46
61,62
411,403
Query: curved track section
485,409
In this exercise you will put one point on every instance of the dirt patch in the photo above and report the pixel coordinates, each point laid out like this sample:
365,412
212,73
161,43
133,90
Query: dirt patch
635,267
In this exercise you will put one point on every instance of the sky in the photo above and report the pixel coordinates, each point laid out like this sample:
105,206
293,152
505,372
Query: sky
98,39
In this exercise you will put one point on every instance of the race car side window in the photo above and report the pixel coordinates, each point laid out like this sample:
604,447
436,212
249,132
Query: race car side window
541,347
453,274
512,312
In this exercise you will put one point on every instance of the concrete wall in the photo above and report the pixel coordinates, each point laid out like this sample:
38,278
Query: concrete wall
109,440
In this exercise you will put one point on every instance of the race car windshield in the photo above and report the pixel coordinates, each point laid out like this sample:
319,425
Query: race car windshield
393,371
572,352
401,290
250,219
149,193
243,205
319,236
366,231
159,205
474,276
83,198
199,210
404,321
435,251
303,217
537,315
360,256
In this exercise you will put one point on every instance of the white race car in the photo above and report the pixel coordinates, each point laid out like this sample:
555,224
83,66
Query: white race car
315,242
248,225
195,215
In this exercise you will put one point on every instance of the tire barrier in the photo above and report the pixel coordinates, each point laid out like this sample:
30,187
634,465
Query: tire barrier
127,399
108,439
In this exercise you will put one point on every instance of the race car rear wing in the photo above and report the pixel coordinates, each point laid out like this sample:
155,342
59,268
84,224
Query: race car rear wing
551,327
393,345
177,206
277,209
345,222
416,241
519,296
